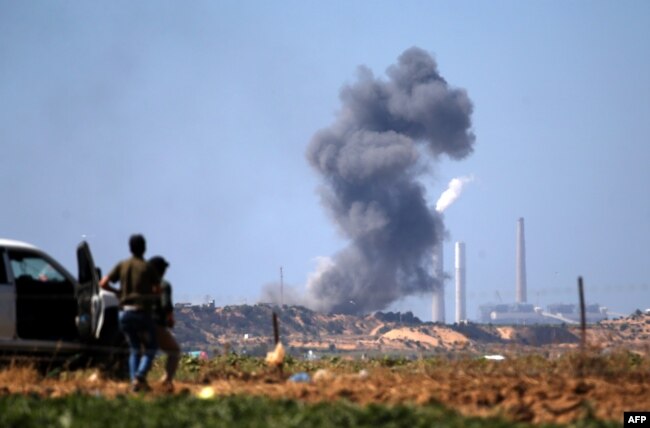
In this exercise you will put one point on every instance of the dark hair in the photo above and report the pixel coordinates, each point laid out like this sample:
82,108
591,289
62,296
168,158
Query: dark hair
137,245
159,264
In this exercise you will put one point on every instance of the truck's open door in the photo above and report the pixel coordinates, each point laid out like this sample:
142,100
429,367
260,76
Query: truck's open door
90,316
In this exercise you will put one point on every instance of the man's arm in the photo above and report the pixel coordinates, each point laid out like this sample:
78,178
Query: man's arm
113,276
105,284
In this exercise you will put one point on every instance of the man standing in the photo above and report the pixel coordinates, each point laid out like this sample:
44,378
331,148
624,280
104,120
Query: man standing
137,293
164,318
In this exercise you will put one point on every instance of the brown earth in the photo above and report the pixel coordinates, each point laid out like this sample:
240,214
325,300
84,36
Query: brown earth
531,390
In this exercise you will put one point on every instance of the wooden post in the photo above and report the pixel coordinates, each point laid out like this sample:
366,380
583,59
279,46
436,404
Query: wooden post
583,329
276,330
276,337
583,317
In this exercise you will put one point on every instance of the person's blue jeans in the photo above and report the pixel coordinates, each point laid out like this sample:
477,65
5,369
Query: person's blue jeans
140,331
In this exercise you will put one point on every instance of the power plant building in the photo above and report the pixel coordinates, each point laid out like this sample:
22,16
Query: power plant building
527,314
524,313
518,313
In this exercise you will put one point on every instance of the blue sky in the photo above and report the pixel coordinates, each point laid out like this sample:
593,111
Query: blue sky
189,123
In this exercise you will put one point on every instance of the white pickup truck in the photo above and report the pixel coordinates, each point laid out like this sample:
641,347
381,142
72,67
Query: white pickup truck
48,314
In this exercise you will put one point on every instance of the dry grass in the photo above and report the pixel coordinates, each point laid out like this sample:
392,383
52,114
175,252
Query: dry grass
19,374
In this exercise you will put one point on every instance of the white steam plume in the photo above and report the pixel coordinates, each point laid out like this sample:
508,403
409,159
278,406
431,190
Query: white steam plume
452,193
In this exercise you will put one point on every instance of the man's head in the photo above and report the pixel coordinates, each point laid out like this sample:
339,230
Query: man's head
159,264
137,245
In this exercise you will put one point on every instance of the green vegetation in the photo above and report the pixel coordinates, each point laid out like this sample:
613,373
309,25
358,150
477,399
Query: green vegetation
237,411
245,367
603,364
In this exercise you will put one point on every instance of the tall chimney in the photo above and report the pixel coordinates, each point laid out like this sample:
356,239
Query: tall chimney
521,263
460,282
438,303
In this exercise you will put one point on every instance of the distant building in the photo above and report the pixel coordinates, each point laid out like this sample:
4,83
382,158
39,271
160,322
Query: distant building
182,305
527,314
593,313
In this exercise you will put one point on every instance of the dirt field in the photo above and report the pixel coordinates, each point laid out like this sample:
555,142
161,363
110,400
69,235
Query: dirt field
520,398
530,390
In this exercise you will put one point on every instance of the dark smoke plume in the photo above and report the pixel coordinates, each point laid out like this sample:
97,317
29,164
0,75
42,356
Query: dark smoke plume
370,161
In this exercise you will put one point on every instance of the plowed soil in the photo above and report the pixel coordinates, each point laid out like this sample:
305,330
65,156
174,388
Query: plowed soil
491,389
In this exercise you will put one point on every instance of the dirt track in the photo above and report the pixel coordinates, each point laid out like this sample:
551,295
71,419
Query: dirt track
495,389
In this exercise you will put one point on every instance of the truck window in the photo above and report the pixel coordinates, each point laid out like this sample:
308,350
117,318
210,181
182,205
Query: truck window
46,305
34,267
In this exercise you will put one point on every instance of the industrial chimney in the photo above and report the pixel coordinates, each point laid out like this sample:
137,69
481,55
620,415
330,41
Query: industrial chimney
438,303
460,282
521,263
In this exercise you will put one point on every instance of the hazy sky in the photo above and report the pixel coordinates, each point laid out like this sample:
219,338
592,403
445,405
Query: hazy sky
189,122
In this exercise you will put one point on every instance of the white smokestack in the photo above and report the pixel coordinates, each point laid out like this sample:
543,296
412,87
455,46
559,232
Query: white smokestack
438,304
521,263
448,197
460,282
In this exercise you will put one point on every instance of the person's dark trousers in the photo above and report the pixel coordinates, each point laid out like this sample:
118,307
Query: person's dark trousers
140,331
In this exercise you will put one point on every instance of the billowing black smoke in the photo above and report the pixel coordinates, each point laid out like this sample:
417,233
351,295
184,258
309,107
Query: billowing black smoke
370,162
